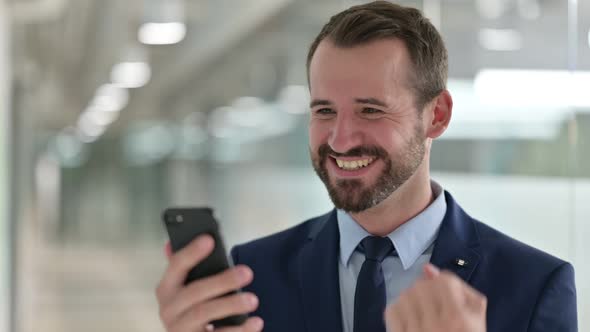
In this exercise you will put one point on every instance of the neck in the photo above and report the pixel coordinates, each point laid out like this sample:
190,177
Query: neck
405,203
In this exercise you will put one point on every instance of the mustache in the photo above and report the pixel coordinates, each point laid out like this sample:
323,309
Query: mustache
363,150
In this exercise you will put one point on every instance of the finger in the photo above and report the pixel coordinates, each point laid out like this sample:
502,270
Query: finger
202,314
207,288
180,264
168,250
475,300
450,290
394,322
253,324
404,315
428,303
430,271
413,309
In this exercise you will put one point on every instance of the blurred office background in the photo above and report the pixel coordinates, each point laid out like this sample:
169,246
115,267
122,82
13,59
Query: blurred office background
112,110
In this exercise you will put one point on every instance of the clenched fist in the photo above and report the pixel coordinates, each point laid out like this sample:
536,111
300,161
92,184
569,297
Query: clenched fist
440,301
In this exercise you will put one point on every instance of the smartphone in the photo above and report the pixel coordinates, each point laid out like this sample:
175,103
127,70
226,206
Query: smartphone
184,225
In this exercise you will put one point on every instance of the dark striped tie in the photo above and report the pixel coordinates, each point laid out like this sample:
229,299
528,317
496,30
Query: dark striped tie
369,296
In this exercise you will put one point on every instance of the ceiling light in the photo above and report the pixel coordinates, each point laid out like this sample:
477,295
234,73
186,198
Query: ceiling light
131,74
99,117
89,131
533,88
110,97
162,33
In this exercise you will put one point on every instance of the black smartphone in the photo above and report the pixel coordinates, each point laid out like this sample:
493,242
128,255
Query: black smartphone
184,225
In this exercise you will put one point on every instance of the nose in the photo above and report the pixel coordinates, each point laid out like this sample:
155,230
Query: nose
345,134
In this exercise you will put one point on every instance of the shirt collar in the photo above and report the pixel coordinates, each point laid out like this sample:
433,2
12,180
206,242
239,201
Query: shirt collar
411,239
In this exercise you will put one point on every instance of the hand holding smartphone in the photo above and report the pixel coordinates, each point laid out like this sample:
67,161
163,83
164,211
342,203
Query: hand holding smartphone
183,226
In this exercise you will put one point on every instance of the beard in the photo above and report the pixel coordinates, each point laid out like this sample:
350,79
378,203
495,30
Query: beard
351,195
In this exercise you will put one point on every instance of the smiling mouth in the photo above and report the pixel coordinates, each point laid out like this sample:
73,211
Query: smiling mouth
352,165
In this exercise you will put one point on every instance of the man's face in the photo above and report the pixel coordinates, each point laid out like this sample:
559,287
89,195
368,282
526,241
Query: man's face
366,136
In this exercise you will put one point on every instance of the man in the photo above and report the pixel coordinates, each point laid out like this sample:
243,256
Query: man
397,253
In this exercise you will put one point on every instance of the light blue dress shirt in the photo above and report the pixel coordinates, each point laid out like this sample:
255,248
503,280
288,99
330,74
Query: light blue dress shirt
413,242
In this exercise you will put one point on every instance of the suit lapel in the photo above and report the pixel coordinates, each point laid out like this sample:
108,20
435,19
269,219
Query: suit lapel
318,273
457,245
318,263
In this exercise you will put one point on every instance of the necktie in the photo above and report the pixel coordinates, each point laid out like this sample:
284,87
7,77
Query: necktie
369,297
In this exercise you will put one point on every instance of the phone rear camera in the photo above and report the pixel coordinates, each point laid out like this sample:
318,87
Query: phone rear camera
179,218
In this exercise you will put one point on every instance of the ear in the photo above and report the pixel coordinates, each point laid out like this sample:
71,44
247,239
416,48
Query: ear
439,116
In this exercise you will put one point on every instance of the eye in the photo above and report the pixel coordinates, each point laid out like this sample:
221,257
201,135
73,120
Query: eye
371,110
324,111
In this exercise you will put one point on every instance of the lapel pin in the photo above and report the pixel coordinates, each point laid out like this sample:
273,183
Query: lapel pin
461,262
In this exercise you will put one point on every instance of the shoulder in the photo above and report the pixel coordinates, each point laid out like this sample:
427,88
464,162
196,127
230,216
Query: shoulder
508,264
506,249
496,248
545,284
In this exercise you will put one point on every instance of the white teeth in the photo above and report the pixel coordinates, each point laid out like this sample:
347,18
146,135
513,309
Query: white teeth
354,164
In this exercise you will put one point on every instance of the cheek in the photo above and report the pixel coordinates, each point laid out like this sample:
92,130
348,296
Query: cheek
318,133
385,136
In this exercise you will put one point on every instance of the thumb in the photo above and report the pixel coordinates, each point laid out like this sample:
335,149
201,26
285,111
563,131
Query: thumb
430,271
168,250
476,300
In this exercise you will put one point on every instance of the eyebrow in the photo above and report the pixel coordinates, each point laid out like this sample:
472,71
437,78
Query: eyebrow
319,102
371,101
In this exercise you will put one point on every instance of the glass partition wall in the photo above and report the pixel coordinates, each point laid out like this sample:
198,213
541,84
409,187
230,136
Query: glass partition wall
5,224
216,114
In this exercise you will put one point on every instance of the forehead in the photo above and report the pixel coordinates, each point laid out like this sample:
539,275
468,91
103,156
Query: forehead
377,67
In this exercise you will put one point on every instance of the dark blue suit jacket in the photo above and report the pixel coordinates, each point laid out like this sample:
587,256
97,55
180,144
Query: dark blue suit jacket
296,276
